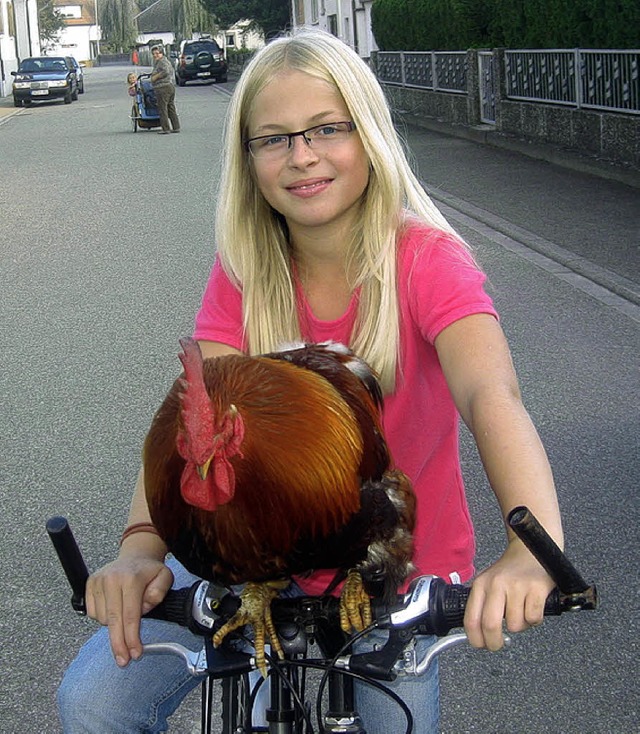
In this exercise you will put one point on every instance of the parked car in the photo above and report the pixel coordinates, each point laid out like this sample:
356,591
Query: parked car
201,59
42,78
79,73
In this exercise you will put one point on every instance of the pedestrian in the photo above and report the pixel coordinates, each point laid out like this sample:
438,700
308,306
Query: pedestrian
163,82
324,232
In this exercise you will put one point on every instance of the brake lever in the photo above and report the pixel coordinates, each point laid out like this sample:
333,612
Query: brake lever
196,661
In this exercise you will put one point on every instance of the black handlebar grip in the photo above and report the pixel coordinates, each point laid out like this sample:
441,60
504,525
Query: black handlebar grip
446,606
176,607
71,560
449,601
551,558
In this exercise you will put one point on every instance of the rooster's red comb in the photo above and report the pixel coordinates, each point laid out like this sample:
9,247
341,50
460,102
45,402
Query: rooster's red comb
197,412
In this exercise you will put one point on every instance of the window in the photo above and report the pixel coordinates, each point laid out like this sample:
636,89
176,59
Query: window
314,11
70,11
231,39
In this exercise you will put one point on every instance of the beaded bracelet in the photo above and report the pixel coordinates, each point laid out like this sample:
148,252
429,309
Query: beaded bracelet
139,527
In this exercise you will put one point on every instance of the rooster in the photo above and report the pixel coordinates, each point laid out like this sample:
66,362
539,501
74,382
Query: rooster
260,468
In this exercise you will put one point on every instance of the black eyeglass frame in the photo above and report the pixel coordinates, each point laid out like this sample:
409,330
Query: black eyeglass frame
303,133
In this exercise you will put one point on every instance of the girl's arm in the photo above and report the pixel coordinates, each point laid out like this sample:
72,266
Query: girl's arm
477,365
120,592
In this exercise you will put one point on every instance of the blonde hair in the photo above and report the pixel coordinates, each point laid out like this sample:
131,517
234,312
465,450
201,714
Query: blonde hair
252,238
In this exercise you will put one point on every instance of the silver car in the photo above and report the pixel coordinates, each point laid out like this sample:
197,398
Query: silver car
79,73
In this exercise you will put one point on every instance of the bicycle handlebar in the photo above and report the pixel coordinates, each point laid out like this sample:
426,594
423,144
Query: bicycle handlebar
430,606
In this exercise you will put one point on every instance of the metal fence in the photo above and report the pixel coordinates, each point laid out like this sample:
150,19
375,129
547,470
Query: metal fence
594,79
445,71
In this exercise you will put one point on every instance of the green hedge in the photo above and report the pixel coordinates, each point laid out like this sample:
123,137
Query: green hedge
439,25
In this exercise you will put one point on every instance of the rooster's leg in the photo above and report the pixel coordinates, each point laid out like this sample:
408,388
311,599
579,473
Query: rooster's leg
255,609
355,605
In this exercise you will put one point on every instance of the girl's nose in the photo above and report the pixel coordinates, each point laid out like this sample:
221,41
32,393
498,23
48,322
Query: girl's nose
301,151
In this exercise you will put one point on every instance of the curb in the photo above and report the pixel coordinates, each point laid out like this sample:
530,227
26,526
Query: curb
7,112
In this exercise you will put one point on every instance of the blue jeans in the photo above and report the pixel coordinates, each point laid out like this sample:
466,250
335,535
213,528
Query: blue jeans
98,697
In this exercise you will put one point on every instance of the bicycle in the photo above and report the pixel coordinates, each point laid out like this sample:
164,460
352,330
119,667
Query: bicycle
429,607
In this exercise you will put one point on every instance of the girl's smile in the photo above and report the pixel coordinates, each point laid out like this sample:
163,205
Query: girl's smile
309,187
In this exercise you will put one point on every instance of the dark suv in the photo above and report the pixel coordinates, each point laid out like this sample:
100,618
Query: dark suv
202,59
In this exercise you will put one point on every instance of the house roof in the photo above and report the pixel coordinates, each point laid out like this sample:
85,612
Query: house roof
156,18
87,11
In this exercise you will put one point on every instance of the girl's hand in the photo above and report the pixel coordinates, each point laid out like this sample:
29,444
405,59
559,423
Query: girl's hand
120,593
514,589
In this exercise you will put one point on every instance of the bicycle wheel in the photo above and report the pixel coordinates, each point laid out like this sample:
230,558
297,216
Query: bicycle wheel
236,714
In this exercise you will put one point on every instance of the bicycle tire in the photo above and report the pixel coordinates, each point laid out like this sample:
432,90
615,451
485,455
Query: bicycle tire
236,706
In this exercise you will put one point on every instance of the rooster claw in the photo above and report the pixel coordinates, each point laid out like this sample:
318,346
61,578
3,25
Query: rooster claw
355,604
255,609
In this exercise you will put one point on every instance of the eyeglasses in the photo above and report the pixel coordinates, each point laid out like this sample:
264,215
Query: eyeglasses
319,138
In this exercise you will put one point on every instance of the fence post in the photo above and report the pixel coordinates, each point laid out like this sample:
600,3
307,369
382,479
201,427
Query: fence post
473,87
578,73
434,70
499,84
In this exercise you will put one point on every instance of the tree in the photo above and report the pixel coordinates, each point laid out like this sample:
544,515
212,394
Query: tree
270,16
50,22
118,24
188,16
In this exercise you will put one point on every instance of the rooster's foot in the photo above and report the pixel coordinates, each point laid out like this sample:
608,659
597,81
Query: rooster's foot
255,609
355,605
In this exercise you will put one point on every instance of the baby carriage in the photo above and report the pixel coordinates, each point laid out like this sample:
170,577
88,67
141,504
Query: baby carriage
144,112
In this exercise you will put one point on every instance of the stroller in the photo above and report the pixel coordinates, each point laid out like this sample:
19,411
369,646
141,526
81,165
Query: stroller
144,112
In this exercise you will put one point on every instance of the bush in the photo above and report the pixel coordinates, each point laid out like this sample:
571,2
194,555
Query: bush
446,25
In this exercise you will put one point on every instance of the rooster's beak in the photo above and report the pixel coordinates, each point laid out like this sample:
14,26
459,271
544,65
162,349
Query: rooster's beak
203,470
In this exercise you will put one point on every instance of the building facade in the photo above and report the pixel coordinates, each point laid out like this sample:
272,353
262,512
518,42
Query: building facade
349,20
80,36
19,38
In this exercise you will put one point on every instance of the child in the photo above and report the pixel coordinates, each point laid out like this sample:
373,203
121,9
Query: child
323,232
131,81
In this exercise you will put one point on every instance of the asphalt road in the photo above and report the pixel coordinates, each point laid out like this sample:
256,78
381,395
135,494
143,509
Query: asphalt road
105,245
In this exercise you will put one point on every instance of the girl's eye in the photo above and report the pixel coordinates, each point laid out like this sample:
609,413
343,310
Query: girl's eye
325,131
273,141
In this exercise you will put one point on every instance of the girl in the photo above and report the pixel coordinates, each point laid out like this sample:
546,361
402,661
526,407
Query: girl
324,232
131,81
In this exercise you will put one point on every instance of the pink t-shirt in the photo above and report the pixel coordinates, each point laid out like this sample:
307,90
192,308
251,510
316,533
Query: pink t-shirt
438,284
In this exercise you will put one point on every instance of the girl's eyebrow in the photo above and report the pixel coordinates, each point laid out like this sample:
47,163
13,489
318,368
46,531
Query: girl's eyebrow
317,118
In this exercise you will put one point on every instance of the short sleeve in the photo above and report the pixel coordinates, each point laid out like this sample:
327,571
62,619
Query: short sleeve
443,283
220,316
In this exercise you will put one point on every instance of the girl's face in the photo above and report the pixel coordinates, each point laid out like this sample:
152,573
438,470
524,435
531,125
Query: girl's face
317,191
131,78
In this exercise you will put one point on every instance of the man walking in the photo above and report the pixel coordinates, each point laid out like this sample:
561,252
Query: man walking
162,80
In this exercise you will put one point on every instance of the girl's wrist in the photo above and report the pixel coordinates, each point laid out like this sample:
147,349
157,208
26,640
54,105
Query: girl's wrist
142,539
138,527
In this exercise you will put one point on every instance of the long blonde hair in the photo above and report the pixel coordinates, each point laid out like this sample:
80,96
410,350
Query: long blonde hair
252,238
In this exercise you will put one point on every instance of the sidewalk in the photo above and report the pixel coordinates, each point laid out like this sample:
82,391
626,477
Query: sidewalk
7,108
487,135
